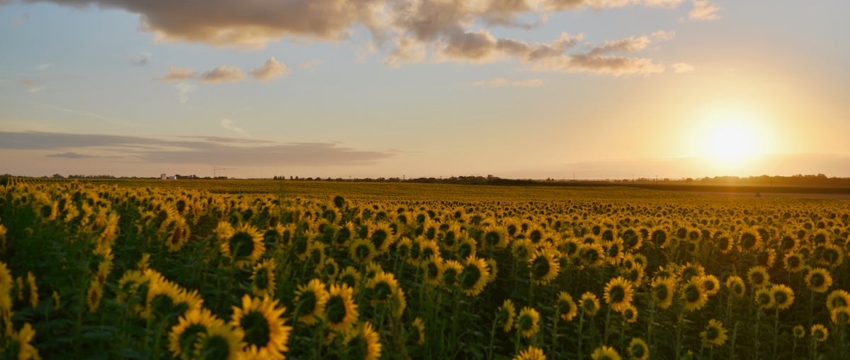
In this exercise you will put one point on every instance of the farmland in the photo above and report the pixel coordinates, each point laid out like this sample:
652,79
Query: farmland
308,270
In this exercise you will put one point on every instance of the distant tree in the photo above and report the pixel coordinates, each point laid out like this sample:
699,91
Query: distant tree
58,176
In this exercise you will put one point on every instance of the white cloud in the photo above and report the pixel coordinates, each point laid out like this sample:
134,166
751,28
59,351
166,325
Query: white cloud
681,67
222,74
43,67
310,64
270,70
183,91
704,10
178,74
228,125
499,82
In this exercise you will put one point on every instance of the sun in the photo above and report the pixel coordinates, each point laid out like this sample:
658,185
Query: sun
730,140
732,136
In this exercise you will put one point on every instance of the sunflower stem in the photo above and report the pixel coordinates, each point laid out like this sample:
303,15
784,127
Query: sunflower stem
607,322
554,334
492,337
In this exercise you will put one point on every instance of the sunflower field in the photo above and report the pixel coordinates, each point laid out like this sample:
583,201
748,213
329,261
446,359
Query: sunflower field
156,270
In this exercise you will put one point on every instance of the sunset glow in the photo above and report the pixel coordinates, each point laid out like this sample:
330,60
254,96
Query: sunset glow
401,88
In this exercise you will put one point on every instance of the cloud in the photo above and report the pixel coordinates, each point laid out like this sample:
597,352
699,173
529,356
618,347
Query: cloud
227,124
310,64
32,86
270,70
178,74
405,31
192,150
183,91
43,67
142,59
662,35
499,82
704,10
630,44
71,155
222,74
600,60
681,67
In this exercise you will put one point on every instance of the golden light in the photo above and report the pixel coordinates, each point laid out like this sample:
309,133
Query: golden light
731,139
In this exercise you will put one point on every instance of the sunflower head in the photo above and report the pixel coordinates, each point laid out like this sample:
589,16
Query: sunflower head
758,276
531,353
638,349
340,309
566,307
474,276
362,343
663,289
543,267
837,298
819,280
605,353
505,315
794,262
783,296
714,334
764,299
618,293
736,285
693,295
630,313
527,322
260,324
798,331
263,278
589,304
819,333
310,301
417,333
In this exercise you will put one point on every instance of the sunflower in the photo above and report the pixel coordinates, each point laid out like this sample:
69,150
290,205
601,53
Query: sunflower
505,315
819,280
605,353
532,353
474,276
328,270
494,269
589,304
693,295
794,262
798,331
244,246
709,284
840,316
219,342
782,295
362,342
758,276
432,270
340,309
522,250
565,306
494,237
543,266
663,289
351,278
659,237
613,251
262,328
724,244
837,298
630,313
310,301
736,285
184,335
175,233
20,341
749,241
591,255
31,290
618,294
166,299
466,247
690,271
819,333
638,349
635,275
382,287
362,251
528,322
263,279
418,331
381,236
94,295
451,273
714,334
429,249
764,299
766,258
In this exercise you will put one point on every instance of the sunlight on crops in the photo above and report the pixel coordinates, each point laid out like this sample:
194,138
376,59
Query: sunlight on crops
313,271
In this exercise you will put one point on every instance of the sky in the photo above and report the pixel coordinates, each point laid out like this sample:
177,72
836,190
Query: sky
563,89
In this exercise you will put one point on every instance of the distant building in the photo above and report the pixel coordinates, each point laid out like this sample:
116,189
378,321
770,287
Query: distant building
163,177
172,177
